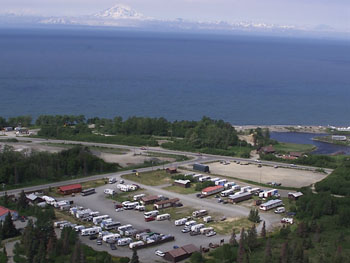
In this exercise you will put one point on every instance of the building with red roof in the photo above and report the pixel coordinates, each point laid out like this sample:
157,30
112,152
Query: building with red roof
4,212
70,189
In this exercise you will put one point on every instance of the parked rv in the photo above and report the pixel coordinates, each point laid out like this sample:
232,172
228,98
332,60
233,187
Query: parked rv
124,241
180,222
163,217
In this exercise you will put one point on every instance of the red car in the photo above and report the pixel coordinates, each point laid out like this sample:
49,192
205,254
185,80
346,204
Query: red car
148,219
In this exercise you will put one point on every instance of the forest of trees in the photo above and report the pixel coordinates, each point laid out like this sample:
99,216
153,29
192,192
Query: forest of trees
21,167
321,235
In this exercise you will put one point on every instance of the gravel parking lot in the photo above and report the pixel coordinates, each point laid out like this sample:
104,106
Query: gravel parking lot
98,202
288,177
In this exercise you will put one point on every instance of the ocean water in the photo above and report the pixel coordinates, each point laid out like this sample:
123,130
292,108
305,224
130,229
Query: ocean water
241,79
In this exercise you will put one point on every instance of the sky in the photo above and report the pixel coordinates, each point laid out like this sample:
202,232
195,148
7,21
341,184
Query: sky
302,13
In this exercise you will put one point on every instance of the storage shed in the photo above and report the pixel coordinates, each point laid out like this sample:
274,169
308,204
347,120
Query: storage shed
183,183
295,196
180,253
150,199
166,203
70,189
201,167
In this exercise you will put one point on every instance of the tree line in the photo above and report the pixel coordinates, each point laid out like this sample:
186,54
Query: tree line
26,167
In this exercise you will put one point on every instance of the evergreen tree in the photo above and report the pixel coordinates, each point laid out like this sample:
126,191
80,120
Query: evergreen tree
298,253
254,215
22,201
135,257
76,255
252,238
233,240
241,249
268,252
284,253
338,258
9,230
263,231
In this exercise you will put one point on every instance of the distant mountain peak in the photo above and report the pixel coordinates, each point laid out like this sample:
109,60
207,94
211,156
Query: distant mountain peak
120,11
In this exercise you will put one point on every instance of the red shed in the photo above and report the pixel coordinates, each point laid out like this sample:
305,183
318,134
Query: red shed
69,189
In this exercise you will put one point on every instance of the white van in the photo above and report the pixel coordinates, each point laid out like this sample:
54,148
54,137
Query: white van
180,222
136,244
190,223
280,210
124,241
112,180
109,191
163,217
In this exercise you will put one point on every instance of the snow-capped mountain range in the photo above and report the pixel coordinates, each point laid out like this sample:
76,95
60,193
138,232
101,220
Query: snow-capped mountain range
124,16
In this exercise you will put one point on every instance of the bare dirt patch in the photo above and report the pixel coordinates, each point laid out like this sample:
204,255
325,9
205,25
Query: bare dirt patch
288,177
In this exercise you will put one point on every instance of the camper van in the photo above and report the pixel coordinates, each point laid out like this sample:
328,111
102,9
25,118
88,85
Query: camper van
136,244
124,241
180,222
90,231
163,217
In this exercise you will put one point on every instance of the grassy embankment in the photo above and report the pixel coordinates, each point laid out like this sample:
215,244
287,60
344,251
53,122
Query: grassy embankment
293,147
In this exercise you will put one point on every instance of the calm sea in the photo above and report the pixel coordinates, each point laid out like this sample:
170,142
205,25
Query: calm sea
241,79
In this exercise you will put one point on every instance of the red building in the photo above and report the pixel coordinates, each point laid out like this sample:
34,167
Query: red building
70,189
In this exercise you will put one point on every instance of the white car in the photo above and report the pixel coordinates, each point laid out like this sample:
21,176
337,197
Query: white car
119,209
210,234
160,253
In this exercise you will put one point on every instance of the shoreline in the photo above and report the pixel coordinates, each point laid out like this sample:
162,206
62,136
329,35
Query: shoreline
286,128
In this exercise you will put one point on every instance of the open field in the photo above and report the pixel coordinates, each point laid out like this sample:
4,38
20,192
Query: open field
288,177
226,227
152,178
293,147
181,190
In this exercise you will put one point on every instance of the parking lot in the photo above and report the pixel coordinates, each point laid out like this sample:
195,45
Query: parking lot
287,177
98,202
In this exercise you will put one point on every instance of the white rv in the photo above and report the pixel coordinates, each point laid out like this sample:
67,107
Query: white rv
180,222
197,227
136,244
98,219
124,241
90,231
110,237
109,191
163,217
138,197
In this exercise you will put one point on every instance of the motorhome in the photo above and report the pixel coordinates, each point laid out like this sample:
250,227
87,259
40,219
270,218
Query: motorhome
130,205
221,182
227,192
205,230
204,178
110,237
163,217
153,213
180,222
124,241
111,225
236,187
124,228
90,231
199,213
197,227
190,223
136,244
138,197
98,219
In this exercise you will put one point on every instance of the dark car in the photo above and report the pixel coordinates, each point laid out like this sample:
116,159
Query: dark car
198,195
93,237
112,246
134,171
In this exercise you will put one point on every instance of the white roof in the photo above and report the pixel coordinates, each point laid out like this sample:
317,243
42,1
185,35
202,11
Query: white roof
32,197
296,194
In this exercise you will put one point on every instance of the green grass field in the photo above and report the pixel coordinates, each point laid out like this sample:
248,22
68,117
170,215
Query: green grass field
152,178
181,190
293,147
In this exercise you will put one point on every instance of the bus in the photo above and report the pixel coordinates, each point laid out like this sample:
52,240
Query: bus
89,191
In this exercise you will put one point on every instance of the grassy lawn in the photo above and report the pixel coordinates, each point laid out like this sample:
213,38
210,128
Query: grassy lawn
95,148
293,147
94,183
181,190
125,196
178,158
178,212
225,227
153,178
